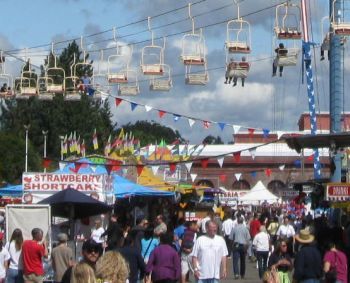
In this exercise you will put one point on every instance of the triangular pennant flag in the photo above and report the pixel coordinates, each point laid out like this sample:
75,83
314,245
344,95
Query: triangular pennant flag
61,165
251,131
204,163
206,124
268,172
237,156
148,108
221,160
310,157
236,129
222,126
77,167
124,171
172,167
252,152
191,122
193,177
176,117
253,174
133,106
46,163
91,91
109,169
222,178
238,176
266,133
155,169
188,166
279,134
139,169
161,113
118,101
281,167
93,168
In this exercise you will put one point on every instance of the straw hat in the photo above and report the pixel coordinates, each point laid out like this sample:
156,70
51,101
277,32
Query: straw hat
305,237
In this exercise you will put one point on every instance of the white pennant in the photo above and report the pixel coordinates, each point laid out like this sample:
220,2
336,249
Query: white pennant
188,166
93,168
62,165
193,177
191,122
281,167
221,161
155,169
148,108
252,152
236,129
279,134
238,176
125,171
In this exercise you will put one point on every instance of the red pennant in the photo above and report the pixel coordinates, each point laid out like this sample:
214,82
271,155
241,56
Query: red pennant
76,168
172,167
118,101
46,163
251,131
237,156
268,172
204,163
161,113
139,169
206,124
108,169
222,178
310,158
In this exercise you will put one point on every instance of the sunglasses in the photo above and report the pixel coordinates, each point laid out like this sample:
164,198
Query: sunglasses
93,250
283,246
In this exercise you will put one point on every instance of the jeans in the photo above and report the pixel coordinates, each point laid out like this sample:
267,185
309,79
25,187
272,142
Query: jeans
262,262
212,280
14,276
238,255
310,281
229,245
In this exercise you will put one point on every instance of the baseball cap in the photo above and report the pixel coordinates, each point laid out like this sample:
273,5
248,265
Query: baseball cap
90,245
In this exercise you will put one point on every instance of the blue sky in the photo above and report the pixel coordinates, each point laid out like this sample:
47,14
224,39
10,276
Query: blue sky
264,102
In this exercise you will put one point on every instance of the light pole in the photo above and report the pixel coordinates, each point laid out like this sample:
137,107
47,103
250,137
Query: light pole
62,139
45,138
26,127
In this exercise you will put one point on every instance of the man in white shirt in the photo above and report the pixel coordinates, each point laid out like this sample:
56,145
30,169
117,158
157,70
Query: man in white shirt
209,256
286,231
227,227
210,216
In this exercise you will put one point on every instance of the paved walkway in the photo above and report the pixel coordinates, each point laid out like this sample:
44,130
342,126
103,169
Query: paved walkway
251,275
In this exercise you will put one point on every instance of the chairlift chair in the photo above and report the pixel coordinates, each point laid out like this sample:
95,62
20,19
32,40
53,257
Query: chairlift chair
288,21
287,57
196,78
72,92
238,38
193,49
27,85
152,60
132,87
163,83
117,69
6,82
341,24
240,70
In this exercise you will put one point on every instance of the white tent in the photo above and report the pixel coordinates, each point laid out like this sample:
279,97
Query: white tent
258,195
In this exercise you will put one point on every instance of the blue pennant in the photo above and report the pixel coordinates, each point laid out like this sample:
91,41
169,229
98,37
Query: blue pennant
133,106
221,125
266,132
253,174
176,117
91,91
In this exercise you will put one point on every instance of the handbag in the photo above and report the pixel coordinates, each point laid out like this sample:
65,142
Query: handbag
331,274
271,276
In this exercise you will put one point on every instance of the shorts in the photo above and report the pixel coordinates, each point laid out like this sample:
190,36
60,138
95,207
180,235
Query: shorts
32,277
186,265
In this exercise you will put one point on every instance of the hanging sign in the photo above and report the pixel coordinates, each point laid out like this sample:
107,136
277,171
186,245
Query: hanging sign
338,191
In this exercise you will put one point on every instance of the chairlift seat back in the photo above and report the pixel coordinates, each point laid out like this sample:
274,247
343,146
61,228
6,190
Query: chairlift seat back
117,78
289,60
55,88
237,47
160,85
128,90
72,96
197,79
45,96
288,33
152,69
342,28
193,60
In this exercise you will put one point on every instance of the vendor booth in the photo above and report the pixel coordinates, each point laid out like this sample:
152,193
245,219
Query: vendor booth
258,195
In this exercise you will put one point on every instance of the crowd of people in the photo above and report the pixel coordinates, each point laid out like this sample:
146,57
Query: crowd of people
302,249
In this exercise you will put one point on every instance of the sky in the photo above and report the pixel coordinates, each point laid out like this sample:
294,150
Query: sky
267,102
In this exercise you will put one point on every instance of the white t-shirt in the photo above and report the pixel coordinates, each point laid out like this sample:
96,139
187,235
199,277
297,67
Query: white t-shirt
96,235
286,231
4,256
262,242
14,254
209,253
227,226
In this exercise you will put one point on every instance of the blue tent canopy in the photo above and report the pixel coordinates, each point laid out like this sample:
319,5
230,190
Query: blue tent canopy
86,168
123,188
12,191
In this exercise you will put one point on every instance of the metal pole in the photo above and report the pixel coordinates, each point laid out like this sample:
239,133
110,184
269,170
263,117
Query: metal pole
45,137
62,139
26,127
336,89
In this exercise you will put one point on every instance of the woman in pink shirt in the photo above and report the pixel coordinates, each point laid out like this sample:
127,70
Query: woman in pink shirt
335,258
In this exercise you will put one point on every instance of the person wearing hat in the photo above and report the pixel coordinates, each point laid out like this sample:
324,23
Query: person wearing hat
61,257
281,51
229,71
91,251
308,261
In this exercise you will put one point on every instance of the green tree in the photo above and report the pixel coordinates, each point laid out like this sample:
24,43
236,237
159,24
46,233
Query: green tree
213,140
152,132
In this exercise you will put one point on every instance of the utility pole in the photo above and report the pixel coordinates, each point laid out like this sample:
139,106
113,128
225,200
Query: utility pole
336,76
45,138
26,127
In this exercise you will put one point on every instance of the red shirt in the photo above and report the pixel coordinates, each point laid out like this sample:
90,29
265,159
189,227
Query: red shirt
254,227
32,253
